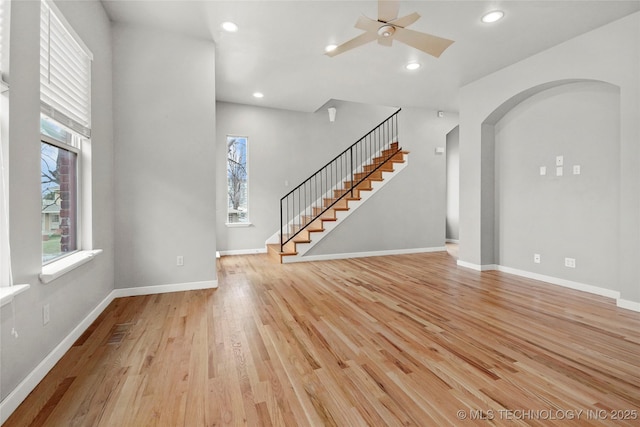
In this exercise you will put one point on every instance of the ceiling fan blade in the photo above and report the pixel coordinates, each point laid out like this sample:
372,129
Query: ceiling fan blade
388,10
367,24
405,21
428,43
354,42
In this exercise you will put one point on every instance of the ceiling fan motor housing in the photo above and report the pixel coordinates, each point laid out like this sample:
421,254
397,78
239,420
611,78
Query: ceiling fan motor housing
386,30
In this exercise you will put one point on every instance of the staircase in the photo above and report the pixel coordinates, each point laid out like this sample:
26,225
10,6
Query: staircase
314,208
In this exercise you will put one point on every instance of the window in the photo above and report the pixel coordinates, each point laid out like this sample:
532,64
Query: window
59,185
237,180
65,128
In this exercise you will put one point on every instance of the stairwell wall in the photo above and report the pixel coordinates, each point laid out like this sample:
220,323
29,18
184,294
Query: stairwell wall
408,214
285,148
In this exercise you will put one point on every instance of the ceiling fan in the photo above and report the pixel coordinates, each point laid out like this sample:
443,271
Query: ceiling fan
388,27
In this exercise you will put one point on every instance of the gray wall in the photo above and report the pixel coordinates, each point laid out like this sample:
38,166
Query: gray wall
453,184
284,146
164,103
75,294
483,103
410,211
571,215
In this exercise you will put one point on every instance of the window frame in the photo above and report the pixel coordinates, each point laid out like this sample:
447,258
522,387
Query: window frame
79,126
247,221
46,139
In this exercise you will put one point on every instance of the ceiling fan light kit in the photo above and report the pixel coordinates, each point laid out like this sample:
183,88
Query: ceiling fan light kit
386,30
389,27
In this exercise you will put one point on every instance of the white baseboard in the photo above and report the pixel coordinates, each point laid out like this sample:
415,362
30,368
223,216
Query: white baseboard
244,252
629,305
328,257
15,398
22,390
562,282
596,290
163,289
456,241
477,267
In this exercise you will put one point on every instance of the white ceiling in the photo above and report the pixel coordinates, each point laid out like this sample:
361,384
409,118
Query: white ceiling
279,48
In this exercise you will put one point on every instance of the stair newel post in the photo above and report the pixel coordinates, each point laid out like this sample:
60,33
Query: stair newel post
281,229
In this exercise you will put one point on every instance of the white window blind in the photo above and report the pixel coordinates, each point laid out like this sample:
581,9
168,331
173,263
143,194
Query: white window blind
65,72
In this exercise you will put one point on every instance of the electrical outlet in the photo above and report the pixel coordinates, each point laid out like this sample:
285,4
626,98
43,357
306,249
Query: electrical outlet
543,170
46,314
180,261
559,171
576,169
536,258
570,262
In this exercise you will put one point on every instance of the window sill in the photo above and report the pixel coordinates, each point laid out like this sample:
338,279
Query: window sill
58,268
238,224
8,292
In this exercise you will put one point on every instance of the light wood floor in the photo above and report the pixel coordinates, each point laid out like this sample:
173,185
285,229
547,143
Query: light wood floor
398,340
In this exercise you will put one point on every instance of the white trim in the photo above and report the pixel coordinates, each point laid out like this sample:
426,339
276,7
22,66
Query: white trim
8,292
628,305
456,241
243,252
163,289
477,267
22,390
327,257
64,265
595,290
237,224
562,282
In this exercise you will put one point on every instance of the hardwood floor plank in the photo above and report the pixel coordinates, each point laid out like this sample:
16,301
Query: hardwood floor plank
394,341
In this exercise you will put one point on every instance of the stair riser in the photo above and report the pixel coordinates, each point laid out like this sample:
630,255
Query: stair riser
375,176
340,204
301,244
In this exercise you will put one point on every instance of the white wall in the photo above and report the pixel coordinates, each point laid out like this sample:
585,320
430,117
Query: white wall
610,54
75,294
164,107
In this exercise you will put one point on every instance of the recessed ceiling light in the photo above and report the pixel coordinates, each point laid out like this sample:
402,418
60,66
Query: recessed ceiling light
229,27
412,66
330,47
493,16
258,95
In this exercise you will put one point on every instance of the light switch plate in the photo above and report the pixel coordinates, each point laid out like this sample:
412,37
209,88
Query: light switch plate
576,169
559,171
559,160
543,170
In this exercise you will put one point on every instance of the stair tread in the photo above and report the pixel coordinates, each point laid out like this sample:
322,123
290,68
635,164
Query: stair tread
371,172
